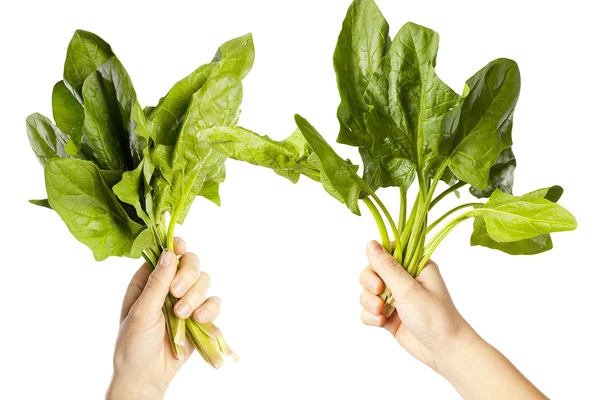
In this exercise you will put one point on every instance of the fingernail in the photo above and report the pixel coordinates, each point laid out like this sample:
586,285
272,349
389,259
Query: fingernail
373,305
183,309
373,286
180,240
178,288
201,316
374,248
165,258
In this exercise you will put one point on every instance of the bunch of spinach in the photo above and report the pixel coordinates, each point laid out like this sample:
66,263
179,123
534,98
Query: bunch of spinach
410,126
113,170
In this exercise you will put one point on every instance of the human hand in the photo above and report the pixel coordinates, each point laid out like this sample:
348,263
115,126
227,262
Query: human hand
144,363
425,321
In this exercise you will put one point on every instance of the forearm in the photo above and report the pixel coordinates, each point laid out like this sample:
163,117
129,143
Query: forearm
478,371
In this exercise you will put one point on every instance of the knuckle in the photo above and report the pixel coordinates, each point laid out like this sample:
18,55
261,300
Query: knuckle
153,281
389,263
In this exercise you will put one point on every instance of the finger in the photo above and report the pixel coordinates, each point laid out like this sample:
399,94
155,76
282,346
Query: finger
371,281
179,246
208,311
135,289
393,274
371,319
187,274
392,324
157,287
371,302
194,297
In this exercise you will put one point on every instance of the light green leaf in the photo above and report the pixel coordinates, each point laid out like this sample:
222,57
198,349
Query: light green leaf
91,211
46,140
288,158
68,114
501,175
509,218
234,57
337,176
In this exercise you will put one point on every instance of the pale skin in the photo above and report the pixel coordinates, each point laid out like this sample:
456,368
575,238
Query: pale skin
427,325
144,363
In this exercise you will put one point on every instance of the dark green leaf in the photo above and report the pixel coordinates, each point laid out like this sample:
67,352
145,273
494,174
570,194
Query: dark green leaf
501,175
91,211
479,129
86,52
46,140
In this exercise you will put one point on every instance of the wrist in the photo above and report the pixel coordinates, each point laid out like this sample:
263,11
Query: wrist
123,388
459,345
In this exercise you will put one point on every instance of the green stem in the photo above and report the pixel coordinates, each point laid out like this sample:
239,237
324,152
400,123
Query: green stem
385,239
386,213
402,217
437,239
446,192
440,219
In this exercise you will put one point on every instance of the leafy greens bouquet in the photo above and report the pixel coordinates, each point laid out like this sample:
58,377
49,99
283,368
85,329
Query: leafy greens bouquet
409,126
113,170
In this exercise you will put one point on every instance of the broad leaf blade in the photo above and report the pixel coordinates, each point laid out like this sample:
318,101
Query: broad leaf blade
91,211
288,158
46,140
68,114
86,52
501,175
509,218
337,176
479,129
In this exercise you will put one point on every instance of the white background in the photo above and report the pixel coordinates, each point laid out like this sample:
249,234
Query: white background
285,258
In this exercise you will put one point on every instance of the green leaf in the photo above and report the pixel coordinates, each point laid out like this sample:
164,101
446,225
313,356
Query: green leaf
91,211
288,158
68,114
337,176
112,137
509,218
501,175
46,140
131,190
535,245
234,57
41,203
86,52
479,129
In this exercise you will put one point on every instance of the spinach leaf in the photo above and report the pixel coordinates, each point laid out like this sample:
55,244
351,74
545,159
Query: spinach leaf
338,177
46,140
68,114
41,203
510,219
479,128
501,175
91,211
535,245
234,57
288,158
86,52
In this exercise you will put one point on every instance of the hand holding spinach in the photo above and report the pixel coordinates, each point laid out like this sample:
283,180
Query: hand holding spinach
410,126
114,170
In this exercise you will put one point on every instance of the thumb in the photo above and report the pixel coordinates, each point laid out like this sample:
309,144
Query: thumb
400,282
157,287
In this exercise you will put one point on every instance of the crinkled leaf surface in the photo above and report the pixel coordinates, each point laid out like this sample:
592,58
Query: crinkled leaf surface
91,211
